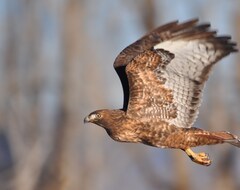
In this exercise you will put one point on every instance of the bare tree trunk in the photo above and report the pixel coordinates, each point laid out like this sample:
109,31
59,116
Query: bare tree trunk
66,176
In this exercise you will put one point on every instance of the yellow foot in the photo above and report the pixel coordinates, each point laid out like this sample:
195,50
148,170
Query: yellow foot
200,158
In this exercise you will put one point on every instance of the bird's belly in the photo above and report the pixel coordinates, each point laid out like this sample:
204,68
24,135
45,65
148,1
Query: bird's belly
157,135
158,142
126,136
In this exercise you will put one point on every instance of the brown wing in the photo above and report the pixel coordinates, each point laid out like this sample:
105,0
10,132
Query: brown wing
149,99
146,42
166,83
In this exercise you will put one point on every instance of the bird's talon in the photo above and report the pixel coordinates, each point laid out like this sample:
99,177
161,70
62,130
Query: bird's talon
200,158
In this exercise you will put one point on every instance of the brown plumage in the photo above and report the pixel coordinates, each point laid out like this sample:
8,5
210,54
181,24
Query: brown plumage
163,75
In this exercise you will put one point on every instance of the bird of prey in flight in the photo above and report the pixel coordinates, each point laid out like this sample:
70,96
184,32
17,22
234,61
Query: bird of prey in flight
163,75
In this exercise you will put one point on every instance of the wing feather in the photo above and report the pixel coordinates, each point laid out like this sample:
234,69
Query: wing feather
154,37
164,72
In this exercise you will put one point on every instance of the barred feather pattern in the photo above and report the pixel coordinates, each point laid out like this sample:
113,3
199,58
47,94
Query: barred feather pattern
187,52
186,74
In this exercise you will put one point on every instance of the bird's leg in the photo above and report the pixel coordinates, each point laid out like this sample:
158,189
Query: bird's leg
200,158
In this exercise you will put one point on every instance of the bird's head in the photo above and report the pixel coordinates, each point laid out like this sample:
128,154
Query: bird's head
104,118
95,117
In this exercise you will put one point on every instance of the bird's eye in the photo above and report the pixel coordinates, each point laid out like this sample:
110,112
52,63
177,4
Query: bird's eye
98,116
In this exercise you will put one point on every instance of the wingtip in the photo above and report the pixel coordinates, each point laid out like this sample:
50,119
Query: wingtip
192,20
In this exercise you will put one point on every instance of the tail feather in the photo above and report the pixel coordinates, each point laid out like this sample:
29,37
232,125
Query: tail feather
227,137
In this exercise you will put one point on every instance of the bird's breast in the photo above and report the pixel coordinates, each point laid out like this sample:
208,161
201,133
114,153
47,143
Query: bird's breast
125,136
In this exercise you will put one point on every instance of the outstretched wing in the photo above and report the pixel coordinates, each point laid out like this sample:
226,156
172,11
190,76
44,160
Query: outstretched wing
163,73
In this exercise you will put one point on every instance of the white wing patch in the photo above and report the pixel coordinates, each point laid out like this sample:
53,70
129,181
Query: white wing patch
191,57
186,75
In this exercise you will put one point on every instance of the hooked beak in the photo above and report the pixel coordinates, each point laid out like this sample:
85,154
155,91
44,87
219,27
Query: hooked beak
86,119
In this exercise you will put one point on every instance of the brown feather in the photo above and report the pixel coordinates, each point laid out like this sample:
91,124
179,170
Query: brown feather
163,75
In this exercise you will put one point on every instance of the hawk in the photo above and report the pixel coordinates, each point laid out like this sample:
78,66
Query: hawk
163,75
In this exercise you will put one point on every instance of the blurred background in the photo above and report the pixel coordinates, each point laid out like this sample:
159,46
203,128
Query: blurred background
56,61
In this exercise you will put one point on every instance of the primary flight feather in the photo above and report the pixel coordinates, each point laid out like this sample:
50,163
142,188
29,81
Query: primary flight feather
163,75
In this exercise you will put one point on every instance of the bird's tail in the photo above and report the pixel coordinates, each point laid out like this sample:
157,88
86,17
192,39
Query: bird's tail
226,137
